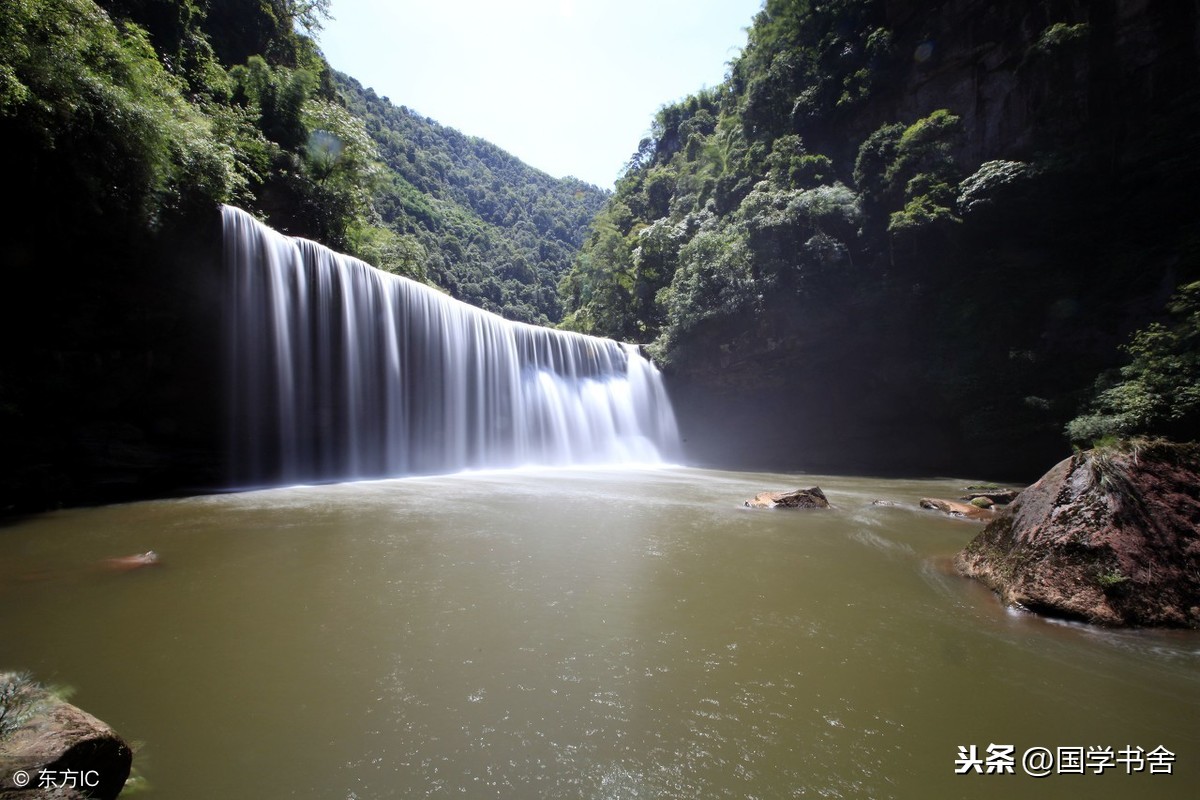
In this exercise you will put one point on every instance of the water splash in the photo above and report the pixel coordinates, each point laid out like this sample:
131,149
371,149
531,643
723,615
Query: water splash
339,371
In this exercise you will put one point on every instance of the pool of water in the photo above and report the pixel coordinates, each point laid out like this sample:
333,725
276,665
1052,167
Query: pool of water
575,634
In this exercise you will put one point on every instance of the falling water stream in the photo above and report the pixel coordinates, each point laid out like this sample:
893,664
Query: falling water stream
341,371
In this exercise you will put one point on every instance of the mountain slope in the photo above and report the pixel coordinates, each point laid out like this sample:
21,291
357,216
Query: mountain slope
492,230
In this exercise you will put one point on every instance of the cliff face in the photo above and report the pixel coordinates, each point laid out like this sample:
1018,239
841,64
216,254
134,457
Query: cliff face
980,60
974,306
1026,77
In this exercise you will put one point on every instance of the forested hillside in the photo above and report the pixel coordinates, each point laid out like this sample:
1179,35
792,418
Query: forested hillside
479,222
906,234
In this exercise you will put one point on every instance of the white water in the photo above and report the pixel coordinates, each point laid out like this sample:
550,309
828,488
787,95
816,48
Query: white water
341,371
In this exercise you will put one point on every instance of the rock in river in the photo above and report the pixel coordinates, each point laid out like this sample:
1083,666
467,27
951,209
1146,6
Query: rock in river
1109,536
956,509
798,498
1000,497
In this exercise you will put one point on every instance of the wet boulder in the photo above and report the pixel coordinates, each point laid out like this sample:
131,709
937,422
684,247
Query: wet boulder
1108,536
954,508
999,497
130,563
797,498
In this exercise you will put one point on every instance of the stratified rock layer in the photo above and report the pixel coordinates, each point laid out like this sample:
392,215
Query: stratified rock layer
1109,536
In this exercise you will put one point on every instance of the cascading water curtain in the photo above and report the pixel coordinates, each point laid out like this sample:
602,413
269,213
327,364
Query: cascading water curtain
339,371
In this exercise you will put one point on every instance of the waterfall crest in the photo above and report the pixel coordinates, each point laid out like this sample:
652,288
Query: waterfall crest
340,371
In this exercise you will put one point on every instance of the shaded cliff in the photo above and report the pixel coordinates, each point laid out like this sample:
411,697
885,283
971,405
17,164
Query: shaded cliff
909,234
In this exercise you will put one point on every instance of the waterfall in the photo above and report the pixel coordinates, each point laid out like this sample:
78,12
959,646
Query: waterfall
340,371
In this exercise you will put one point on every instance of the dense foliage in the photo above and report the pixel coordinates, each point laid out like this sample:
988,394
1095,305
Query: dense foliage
148,111
887,221
153,109
848,209
1158,391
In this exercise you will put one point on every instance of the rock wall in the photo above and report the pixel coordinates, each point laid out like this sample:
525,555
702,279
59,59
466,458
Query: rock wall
1020,85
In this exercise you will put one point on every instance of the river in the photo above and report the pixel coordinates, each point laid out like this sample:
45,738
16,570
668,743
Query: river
577,633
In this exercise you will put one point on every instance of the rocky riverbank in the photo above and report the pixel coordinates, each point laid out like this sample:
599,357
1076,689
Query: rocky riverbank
1108,536
51,750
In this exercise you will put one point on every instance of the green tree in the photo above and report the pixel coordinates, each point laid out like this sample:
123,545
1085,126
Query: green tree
925,167
279,95
714,284
308,15
601,286
120,128
1158,391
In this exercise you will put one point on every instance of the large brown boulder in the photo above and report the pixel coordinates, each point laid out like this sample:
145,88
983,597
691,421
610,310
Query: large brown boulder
49,749
797,498
1109,536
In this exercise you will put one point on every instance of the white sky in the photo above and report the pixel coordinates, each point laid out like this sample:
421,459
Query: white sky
567,86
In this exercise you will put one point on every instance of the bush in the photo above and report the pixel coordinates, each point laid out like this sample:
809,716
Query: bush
988,184
1158,392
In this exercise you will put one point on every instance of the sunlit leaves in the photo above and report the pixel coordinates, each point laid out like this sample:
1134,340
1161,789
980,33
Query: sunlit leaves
987,185
714,280
390,251
1158,391
97,95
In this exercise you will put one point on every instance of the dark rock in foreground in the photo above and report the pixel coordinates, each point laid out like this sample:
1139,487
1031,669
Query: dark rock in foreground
51,749
798,498
1109,536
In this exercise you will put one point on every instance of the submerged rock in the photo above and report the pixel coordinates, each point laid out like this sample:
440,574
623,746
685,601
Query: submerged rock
129,563
1000,497
956,509
51,749
798,498
1109,536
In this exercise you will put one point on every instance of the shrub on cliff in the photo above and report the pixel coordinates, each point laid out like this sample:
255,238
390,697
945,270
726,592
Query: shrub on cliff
1158,391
